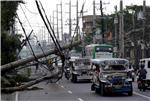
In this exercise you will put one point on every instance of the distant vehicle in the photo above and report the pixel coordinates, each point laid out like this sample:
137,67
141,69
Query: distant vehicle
94,51
146,63
110,76
80,68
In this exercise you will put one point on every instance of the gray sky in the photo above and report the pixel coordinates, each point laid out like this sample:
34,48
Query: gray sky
36,22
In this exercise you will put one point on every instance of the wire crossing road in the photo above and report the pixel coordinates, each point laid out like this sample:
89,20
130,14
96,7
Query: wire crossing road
64,90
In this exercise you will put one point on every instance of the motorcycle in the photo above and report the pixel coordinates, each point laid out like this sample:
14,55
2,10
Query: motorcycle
142,84
67,73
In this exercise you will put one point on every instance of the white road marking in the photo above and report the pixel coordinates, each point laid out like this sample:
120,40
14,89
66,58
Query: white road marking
141,95
62,86
80,99
69,91
16,97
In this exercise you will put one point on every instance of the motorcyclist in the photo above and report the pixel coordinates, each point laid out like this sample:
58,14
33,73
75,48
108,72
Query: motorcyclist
142,75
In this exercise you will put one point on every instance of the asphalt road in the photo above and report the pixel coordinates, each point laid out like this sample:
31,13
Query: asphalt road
64,90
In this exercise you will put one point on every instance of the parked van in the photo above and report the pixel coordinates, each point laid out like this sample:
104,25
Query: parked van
146,63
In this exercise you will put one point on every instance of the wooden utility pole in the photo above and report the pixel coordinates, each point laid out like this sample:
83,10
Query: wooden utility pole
54,21
77,19
121,30
143,50
57,22
70,22
61,19
94,18
116,34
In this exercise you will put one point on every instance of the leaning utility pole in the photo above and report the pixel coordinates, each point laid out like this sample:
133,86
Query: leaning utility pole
16,64
121,30
94,18
102,21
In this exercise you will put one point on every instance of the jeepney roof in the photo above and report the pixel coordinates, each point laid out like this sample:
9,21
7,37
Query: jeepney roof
73,58
93,45
145,59
79,59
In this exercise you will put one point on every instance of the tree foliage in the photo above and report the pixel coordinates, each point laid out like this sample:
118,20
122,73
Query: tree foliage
8,13
9,41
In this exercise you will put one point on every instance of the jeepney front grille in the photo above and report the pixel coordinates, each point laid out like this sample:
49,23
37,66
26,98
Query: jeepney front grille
117,81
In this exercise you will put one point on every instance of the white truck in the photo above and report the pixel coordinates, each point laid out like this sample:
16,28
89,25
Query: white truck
146,63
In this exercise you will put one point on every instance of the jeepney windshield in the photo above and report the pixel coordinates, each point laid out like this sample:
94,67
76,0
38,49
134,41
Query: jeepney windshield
80,62
114,67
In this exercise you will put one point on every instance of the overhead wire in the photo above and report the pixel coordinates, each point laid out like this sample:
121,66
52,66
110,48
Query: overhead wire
80,15
61,53
53,38
34,35
30,11
47,26
50,26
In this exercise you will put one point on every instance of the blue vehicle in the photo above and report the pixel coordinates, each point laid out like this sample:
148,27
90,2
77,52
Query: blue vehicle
110,76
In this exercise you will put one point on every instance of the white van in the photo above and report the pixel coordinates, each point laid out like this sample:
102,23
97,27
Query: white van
146,63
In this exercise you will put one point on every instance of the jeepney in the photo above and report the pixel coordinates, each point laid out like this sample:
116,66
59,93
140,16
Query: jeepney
80,68
110,76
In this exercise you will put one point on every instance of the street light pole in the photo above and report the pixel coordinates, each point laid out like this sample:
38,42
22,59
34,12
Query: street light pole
143,52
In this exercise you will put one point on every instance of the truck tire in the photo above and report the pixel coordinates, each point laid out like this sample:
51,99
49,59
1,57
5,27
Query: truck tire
130,93
92,87
102,89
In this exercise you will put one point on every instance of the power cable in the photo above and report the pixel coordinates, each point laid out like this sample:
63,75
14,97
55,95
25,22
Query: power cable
47,26
50,26
28,40
58,48
30,11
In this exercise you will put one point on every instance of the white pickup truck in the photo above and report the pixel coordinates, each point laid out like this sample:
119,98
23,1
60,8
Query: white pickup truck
146,63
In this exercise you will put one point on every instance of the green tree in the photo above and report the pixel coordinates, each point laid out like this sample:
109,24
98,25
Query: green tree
9,42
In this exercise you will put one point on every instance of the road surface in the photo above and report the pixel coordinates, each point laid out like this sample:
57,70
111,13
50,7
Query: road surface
64,90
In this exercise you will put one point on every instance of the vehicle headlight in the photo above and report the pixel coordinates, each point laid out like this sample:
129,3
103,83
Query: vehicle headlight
109,77
105,76
129,79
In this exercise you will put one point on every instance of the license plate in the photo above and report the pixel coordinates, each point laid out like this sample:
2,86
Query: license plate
117,86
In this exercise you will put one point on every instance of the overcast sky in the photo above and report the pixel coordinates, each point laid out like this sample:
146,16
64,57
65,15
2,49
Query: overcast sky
36,22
